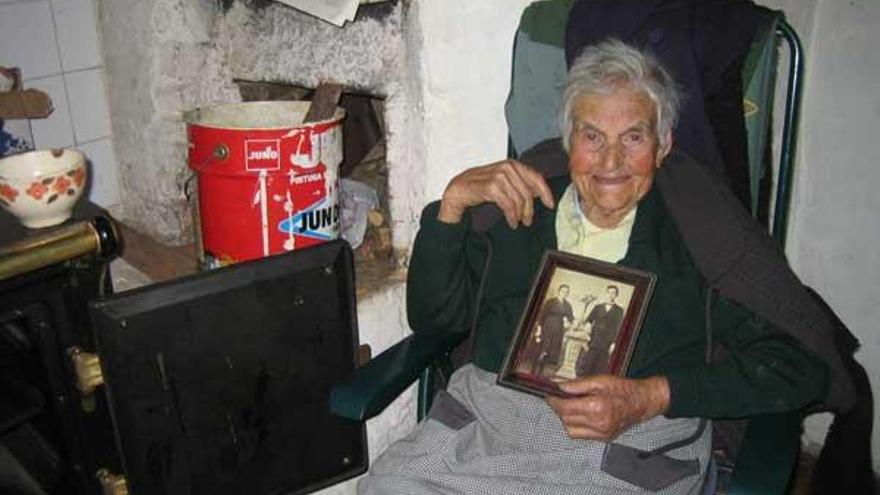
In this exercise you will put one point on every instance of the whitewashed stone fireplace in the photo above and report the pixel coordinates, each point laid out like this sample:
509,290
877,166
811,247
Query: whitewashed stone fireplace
441,66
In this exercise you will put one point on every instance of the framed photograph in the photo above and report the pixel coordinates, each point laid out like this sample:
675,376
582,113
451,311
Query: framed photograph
582,318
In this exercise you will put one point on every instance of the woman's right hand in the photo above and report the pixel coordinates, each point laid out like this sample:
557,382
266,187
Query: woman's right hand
509,184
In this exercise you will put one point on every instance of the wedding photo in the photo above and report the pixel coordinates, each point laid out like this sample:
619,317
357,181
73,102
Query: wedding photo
582,319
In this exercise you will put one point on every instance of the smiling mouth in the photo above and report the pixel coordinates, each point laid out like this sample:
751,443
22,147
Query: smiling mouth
610,181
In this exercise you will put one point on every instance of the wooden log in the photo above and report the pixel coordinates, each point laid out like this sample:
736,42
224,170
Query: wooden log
324,102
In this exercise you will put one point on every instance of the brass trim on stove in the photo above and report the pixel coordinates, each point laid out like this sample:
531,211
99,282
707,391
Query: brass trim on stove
42,250
111,484
87,367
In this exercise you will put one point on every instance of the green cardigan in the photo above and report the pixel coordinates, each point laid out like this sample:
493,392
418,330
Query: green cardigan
763,369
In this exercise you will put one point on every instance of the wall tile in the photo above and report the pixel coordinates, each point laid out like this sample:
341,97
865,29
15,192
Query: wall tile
104,182
27,39
77,33
56,130
88,104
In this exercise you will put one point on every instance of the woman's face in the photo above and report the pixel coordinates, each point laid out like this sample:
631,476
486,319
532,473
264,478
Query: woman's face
614,153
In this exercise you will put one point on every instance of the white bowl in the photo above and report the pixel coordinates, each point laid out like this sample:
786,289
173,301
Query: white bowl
41,187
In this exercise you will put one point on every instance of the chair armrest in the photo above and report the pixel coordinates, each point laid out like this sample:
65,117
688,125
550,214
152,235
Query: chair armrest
373,386
767,455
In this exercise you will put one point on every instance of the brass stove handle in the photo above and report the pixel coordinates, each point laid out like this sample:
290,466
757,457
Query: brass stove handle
111,484
87,367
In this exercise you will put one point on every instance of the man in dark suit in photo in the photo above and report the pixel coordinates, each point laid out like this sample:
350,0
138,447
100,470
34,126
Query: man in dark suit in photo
604,322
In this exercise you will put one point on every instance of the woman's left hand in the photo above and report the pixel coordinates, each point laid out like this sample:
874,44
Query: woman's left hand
604,406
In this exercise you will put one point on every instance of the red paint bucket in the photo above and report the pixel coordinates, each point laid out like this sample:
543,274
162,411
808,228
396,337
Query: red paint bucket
267,182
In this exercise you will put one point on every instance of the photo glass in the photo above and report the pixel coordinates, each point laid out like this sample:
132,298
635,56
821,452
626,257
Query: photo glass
583,318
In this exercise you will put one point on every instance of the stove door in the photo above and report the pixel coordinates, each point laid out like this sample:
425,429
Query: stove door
218,383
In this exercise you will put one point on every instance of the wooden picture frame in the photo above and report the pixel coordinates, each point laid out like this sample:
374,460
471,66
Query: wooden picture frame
583,317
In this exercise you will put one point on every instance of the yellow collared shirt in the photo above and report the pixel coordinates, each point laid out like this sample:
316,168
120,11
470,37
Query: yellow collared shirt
575,233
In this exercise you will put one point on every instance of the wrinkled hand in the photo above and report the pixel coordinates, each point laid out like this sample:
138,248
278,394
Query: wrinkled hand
508,183
606,405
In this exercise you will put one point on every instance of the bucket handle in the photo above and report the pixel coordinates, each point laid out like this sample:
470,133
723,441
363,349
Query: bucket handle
219,153
187,186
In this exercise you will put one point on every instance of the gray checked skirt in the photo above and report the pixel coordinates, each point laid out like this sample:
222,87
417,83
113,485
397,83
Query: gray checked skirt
485,439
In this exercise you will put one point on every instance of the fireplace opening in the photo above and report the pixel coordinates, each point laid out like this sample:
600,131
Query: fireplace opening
363,168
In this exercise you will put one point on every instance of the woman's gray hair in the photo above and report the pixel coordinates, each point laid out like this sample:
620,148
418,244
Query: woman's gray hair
605,67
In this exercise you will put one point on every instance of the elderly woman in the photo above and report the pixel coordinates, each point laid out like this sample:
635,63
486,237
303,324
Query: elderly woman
619,110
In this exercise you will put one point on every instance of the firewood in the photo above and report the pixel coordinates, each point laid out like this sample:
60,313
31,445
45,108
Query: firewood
376,218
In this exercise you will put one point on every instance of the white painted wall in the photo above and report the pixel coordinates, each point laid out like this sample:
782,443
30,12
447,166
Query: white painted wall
466,64
834,231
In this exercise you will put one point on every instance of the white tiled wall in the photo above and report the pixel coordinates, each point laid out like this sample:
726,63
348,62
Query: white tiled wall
77,34
88,104
55,131
55,44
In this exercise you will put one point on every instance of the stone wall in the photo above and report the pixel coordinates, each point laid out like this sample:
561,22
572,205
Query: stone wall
161,59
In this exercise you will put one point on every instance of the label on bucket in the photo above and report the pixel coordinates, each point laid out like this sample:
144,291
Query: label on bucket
276,191
316,216
311,202
262,154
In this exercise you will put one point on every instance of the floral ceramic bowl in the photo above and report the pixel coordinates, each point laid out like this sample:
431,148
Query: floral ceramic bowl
41,187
